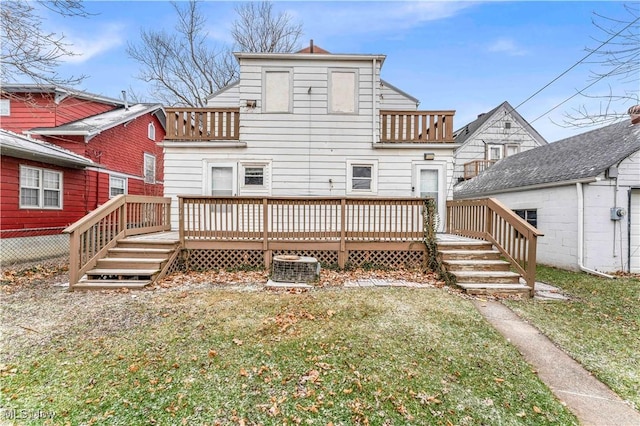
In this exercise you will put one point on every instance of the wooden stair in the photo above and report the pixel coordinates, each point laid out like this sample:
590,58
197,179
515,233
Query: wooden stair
132,264
479,269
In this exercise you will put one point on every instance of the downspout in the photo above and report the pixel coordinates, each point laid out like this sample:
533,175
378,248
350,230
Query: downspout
373,101
581,235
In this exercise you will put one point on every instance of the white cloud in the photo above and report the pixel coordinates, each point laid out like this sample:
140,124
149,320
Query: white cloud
101,39
508,46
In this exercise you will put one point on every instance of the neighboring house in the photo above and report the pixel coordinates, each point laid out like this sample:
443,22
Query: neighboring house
582,192
493,136
309,124
43,189
120,143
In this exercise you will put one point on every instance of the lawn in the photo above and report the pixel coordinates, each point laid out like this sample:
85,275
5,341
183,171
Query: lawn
599,326
211,354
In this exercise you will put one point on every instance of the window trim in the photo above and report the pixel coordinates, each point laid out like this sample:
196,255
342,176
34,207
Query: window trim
151,131
5,107
265,100
374,177
124,179
41,189
144,168
495,145
265,188
356,88
511,145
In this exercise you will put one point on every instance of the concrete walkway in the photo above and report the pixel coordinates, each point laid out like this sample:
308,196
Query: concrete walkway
588,398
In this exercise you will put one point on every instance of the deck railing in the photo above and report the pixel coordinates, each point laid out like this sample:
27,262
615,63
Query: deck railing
416,126
93,235
203,124
272,222
490,220
475,167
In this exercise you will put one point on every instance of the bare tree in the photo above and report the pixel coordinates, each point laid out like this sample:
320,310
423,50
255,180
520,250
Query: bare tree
257,29
28,50
616,59
184,67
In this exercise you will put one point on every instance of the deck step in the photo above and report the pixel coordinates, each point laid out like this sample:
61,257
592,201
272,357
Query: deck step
491,277
470,254
464,245
130,252
494,289
147,244
476,265
104,272
130,263
110,284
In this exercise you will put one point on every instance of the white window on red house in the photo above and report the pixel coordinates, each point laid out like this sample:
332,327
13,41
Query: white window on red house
151,132
40,188
149,168
5,107
117,186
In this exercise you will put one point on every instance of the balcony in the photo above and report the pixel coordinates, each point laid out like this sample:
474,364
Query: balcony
475,167
223,124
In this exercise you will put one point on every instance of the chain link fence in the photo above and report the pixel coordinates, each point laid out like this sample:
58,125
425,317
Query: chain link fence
32,246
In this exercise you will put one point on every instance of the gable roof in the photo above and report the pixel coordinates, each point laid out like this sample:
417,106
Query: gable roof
223,89
19,146
469,130
91,126
60,92
577,158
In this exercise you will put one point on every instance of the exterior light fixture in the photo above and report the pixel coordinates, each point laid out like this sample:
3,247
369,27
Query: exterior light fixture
429,156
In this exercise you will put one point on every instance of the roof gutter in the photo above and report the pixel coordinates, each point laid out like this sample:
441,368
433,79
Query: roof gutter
530,187
583,268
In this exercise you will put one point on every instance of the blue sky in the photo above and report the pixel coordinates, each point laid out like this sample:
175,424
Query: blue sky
466,56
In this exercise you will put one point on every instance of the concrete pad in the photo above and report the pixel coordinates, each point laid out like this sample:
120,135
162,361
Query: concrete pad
279,285
588,398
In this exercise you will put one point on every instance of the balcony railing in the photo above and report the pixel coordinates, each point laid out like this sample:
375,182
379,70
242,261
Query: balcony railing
416,126
475,167
203,124
223,124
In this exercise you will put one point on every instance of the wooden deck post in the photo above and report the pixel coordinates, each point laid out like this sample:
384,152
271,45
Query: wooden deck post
342,254
181,220
265,233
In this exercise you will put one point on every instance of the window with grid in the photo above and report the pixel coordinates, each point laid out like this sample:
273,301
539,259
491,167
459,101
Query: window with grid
40,188
117,186
530,215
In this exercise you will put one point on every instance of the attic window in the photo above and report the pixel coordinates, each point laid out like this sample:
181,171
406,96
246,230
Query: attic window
151,132
507,125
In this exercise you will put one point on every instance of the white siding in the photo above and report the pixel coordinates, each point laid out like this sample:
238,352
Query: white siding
392,99
226,98
308,149
493,131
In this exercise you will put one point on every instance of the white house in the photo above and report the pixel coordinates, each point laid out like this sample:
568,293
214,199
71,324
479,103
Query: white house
491,137
310,124
582,192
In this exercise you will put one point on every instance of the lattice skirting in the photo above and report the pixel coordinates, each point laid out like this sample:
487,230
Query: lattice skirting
211,259
203,260
387,259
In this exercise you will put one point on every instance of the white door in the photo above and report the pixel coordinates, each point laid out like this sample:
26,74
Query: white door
430,185
634,234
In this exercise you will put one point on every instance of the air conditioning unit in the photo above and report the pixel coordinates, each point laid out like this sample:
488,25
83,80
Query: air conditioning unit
295,269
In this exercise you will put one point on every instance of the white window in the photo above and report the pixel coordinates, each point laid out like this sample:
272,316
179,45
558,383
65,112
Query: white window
494,152
151,132
511,150
343,91
40,188
5,107
362,177
117,186
223,182
149,168
254,176
276,95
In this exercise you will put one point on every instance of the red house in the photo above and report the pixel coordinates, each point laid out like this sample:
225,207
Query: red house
114,147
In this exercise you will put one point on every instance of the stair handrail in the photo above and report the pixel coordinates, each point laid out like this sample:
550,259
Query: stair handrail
490,220
93,235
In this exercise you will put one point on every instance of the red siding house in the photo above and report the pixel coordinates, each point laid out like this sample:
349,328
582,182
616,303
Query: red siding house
114,146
